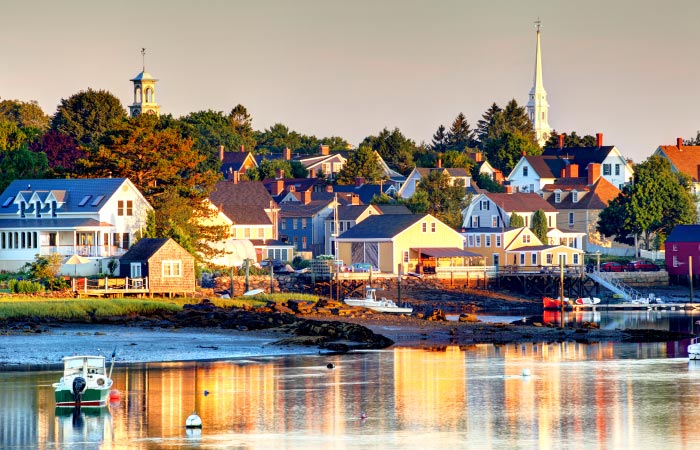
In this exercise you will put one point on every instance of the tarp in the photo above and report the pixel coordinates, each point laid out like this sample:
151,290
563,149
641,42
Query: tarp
445,252
235,251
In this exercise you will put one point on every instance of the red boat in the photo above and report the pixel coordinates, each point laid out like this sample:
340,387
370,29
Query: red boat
553,303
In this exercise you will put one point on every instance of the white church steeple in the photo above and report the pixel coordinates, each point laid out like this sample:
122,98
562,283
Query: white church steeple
144,92
537,106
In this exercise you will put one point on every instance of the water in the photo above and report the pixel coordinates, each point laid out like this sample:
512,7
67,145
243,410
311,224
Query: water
577,396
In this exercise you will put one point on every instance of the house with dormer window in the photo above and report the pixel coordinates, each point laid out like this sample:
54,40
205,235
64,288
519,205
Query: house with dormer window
494,210
455,175
98,218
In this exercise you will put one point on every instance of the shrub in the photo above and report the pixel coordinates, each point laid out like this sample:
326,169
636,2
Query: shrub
24,287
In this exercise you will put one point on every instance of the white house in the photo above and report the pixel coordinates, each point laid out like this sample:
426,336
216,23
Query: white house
417,174
97,218
490,210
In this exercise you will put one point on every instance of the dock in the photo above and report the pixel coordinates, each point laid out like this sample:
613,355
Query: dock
635,306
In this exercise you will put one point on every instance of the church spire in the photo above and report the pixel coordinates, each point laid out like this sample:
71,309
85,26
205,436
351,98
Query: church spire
537,105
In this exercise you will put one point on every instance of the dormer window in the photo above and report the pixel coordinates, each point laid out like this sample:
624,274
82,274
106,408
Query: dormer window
574,196
557,196
22,207
37,207
54,207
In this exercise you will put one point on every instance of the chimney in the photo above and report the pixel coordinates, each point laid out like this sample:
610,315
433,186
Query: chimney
235,177
306,197
242,148
679,143
329,188
509,188
593,172
698,172
599,139
359,181
221,152
561,141
439,163
279,174
354,199
570,171
277,187
287,153
325,150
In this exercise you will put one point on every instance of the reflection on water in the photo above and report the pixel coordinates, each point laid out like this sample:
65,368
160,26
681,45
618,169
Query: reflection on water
681,321
601,395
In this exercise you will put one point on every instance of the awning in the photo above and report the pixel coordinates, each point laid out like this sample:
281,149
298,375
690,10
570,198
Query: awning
445,252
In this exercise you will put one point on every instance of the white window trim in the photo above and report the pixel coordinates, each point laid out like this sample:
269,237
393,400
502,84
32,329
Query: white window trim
174,268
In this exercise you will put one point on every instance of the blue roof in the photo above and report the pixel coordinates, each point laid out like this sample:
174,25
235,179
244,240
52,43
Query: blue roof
685,233
385,226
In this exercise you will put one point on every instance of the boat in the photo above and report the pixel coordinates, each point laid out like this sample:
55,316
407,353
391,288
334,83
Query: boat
694,349
587,301
85,382
553,303
383,304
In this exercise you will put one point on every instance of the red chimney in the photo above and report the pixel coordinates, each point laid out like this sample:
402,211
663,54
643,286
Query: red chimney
287,153
277,187
599,139
235,176
221,152
359,181
354,199
593,172
439,163
242,148
325,150
329,188
306,197
561,140
679,143
509,188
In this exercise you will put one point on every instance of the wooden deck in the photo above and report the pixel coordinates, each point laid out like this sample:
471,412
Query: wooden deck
109,287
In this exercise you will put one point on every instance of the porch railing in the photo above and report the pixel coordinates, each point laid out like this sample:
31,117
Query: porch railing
82,250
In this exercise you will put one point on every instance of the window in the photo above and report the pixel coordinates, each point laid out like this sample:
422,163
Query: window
498,240
125,208
433,227
125,241
470,241
549,258
575,258
525,170
303,223
494,221
526,238
85,199
115,239
405,257
557,196
606,169
574,196
135,269
617,169
675,247
7,202
487,240
675,261
246,233
478,240
54,207
295,223
533,259
37,208
484,205
571,220
303,242
172,268
97,200
425,227
475,221
522,259
261,233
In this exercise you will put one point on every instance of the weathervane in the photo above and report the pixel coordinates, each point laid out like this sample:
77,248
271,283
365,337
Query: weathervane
143,57
538,22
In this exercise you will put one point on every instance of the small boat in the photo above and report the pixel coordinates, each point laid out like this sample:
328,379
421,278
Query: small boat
587,301
85,382
694,349
553,303
370,301
254,292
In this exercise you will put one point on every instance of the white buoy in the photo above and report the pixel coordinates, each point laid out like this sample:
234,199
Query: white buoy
193,421
526,372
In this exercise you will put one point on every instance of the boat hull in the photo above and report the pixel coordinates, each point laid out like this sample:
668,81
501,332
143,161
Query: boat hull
91,398
551,303
379,306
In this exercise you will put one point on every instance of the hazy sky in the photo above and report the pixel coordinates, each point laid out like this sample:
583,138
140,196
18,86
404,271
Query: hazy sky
629,68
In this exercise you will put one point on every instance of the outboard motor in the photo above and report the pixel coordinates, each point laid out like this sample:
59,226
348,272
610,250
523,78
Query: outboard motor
79,385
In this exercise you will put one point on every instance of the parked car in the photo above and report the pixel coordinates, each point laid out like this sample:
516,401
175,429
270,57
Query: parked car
641,265
611,266
361,267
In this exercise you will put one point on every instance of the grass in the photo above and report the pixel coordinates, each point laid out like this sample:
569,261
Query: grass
17,307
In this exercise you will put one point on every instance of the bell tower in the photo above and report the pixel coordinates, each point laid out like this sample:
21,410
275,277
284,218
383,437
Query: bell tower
537,106
144,92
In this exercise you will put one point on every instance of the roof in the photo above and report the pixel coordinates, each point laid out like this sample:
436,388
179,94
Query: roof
351,212
55,224
233,161
72,192
297,209
143,76
393,209
598,196
520,201
684,233
685,159
384,226
143,249
545,167
445,252
580,155
244,202
366,192
451,171
488,230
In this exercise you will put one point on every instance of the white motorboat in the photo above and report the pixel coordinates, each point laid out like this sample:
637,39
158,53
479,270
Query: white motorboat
694,349
383,304
85,382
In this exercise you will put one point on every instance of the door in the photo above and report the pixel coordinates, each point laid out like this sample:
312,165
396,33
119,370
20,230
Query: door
135,270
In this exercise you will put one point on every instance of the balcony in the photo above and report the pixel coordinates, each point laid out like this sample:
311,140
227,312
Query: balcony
90,251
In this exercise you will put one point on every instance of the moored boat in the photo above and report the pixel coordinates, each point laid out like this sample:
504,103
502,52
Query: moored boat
553,303
694,349
587,301
370,301
85,382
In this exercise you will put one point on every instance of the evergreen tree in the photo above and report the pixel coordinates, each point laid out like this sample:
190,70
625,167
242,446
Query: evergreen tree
395,149
571,140
439,140
484,125
362,163
539,225
516,221
460,134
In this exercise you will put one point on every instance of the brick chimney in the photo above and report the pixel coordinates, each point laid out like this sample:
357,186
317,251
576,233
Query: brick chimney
354,199
439,163
570,171
329,188
324,149
306,197
359,181
593,172
242,148
279,174
599,139
277,187
561,140
221,152
235,176
287,153
509,188
679,143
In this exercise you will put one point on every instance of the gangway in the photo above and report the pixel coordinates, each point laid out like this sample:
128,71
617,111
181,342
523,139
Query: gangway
628,293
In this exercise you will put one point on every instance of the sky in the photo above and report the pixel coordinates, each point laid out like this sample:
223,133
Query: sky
625,68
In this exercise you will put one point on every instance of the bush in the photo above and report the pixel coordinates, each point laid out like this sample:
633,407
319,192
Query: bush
24,287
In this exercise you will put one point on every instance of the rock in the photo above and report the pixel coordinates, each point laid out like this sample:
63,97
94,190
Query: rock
468,318
436,315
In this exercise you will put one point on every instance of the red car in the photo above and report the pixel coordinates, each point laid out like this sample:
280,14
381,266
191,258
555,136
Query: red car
641,266
611,267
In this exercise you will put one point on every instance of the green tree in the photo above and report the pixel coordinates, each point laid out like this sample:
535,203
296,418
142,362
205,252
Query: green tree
440,197
439,142
516,221
395,149
165,167
276,138
539,225
268,169
460,136
487,121
571,140
242,125
362,163
87,115
657,200
12,136
486,182
455,158
24,114
21,163
505,149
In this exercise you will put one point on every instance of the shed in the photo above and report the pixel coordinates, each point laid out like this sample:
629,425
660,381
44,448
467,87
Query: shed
168,266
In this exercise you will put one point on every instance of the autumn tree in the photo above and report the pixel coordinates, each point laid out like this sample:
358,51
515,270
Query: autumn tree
362,163
657,200
87,115
61,150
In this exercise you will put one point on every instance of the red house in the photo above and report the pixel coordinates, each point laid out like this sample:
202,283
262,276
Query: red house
681,245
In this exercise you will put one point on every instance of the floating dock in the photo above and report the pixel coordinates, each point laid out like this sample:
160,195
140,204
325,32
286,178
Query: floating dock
635,307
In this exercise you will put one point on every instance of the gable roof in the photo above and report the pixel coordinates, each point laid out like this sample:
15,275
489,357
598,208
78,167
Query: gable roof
244,202
71,192
393,209
384,226
598,195
684,233
143,249
233,161
366,192
520,201
298,209
580,155
352,212
685,159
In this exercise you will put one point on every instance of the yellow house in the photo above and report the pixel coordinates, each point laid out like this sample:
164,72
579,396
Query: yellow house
408,240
